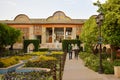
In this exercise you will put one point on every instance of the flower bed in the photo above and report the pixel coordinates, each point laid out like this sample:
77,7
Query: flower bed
34,66
47,52
10,64
11,68
34,75
41,61
9,61
51,61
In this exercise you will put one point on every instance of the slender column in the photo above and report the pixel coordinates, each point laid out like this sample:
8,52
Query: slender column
43,35
53,34
31,36
73,36
64,32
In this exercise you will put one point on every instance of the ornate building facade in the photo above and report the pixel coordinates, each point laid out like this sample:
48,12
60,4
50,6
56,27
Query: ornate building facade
50,30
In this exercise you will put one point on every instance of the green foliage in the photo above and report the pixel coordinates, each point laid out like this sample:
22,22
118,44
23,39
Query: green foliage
1,64
111,23
111,29
65,43
57,55
39,53
108,67
43,49
105,56
116,63
45,61
8,35
45,58
42,61
33,75
40,64
11,53
57,52
89,33
111,26
52,53
92,61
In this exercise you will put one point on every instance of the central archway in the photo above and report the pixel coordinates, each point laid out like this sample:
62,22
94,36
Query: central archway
34,42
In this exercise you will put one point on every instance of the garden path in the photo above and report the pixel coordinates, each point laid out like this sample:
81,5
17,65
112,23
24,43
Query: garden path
75,70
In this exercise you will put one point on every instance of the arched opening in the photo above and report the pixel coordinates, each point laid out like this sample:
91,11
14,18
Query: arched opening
30,48
31,44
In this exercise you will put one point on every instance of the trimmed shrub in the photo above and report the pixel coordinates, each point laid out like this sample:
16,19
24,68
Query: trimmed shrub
43,49
35,43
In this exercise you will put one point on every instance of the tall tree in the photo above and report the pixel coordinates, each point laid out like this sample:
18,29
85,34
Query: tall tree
14,36
111,26
4,31
89,34
8,35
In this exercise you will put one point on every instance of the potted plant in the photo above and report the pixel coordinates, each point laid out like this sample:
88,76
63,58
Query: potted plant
117,68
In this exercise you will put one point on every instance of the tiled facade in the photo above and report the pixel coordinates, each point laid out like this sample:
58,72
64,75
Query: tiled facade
50,30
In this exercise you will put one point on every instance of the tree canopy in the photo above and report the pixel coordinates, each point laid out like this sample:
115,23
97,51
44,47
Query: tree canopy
8,35
111,23
111,26
89,33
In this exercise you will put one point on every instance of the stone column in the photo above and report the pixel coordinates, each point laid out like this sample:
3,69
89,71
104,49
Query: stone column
73,36
31,36
53,34
64,32
43,35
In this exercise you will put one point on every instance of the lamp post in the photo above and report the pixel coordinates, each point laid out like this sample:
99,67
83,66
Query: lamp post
99,21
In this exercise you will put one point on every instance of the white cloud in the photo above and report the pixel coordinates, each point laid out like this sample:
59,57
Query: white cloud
6,2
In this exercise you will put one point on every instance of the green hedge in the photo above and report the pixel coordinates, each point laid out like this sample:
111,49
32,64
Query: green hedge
35,43
65,43
43,49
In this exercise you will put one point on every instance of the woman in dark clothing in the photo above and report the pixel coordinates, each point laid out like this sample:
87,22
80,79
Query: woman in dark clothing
70,51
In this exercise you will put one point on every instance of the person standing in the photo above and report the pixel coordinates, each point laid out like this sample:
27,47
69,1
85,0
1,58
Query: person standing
70,51
76,51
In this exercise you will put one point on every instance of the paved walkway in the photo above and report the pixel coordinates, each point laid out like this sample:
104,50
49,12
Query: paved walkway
75,70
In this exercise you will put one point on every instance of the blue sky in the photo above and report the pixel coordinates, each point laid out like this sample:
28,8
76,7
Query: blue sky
76,9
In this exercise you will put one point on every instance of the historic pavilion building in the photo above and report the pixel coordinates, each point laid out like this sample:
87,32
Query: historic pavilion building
54,28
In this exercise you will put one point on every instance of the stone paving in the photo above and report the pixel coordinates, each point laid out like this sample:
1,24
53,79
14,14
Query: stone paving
75,70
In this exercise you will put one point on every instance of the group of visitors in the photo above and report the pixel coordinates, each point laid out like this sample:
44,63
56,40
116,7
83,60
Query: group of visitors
73,49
